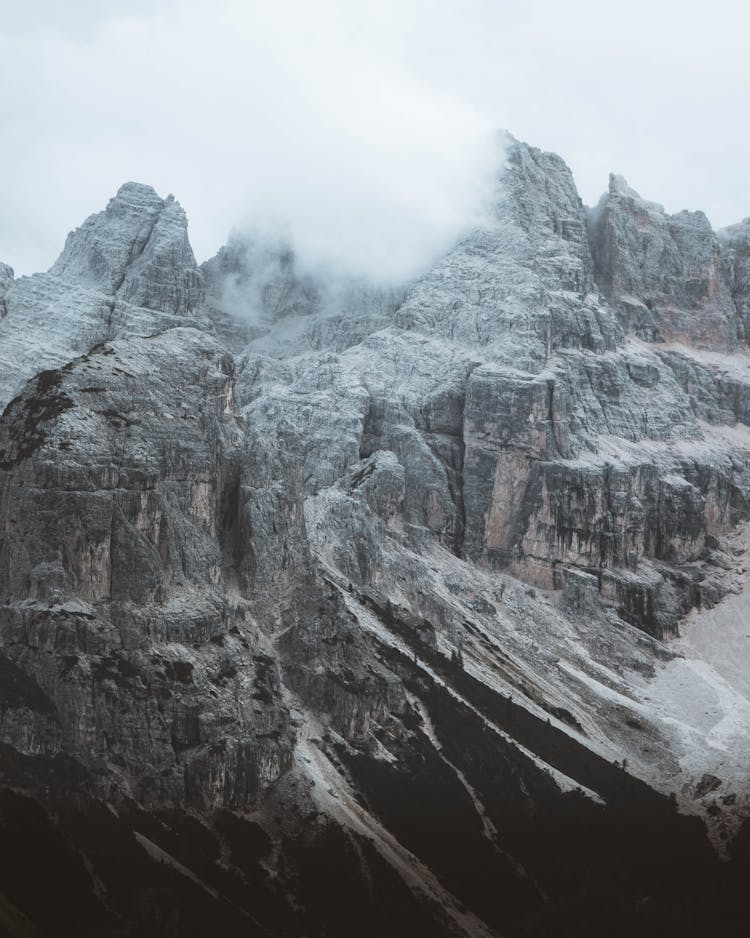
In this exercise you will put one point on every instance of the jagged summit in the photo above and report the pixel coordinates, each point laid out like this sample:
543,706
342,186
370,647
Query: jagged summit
138,193
136,249
6,279
665,275
517,286
299,577
127,270
740,229
99,251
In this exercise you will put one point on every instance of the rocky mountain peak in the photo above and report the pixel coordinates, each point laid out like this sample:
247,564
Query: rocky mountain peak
738,232
136,249
256,278
298,576
618,188
128,270
259,295
735,242
99,252
539,190
662,273
521,284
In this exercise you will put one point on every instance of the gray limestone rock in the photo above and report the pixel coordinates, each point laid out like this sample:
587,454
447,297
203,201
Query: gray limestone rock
136,249
663,273
520,285
735,243
128,270
6,279
296,571
120,518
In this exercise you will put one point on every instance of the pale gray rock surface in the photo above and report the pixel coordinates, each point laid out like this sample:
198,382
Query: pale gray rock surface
128,270
6,279
6,276
521,285
663,273
298,574
735,242
504,384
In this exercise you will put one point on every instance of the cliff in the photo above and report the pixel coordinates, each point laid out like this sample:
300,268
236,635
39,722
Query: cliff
327,608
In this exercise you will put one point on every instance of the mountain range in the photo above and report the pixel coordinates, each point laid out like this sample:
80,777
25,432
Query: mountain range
330,608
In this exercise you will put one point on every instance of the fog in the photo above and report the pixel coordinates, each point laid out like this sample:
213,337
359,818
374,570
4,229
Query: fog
365,133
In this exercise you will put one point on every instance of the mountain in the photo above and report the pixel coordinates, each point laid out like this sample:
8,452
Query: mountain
329,608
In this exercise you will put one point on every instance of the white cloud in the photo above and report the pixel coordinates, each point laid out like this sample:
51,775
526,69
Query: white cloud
364,128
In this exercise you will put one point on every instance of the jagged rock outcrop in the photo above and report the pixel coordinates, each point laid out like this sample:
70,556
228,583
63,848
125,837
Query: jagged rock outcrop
138,250
521,285
128,270
735,243
662,273
533,433
324,607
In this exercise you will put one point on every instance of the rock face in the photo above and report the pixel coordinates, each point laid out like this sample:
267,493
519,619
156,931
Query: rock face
6,279
137,249
129,270
118,491
663,273
735,242
535,434
328,608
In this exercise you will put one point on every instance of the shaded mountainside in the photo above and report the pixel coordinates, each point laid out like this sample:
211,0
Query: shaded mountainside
333,609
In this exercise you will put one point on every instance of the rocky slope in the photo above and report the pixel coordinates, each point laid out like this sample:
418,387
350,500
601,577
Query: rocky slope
332,609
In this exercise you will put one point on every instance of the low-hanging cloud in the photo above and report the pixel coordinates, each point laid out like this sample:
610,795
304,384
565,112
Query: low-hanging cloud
304,118
362,131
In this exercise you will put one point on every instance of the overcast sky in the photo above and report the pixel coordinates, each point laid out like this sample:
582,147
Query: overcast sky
363,127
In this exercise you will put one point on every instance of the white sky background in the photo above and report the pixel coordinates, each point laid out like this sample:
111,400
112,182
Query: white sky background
361,126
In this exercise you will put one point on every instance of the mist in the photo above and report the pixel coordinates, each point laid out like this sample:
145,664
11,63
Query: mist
365,134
